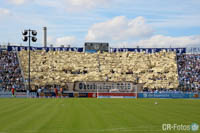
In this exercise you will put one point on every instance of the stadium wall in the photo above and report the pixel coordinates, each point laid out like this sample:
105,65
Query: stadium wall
90,95
17,94
5,94
103,95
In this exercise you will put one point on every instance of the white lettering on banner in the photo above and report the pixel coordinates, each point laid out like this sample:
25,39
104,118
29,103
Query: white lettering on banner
193,50
75,49
34,49
117,50
14,48
111,50
20,94
147,50
104,85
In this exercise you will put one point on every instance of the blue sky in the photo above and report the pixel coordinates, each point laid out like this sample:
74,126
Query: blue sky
122,23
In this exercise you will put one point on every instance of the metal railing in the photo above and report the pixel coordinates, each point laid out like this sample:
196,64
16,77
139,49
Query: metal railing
22,72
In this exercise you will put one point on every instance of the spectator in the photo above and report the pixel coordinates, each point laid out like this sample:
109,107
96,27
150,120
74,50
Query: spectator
189,71
10,72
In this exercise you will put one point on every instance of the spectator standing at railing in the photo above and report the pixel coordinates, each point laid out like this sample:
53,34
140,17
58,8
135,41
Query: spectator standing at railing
38,92
56,92
61,91
27,93
13,92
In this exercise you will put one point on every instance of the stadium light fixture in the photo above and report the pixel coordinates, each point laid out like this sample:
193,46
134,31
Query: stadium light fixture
29,35
25,32
25,38
34,32
34,39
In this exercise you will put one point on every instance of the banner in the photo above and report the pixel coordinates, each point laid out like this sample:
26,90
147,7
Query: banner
92,95
193,50
19,48
83,95
21,94
81,49
32,94
5,94
86,86
168,95
148,50
116,95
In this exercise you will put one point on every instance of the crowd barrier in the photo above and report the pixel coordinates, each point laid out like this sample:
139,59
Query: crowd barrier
5,94
17,94
180,95
169,95
117,95
90,95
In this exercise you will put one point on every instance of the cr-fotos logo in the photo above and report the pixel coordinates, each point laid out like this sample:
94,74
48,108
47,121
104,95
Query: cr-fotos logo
194,127
180,127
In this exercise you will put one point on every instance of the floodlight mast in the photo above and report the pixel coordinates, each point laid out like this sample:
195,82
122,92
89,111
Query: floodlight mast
28,37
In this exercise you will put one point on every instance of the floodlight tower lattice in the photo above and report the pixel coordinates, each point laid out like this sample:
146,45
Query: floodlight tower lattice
29,35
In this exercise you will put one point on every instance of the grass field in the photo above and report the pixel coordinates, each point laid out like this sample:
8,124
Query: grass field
95,115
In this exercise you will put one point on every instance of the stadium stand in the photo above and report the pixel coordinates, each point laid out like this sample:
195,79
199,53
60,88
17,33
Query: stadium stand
155,71
189,71
10,72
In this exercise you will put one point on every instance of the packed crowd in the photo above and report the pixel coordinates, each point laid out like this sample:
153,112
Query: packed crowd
69,67
189,71
156,70
10,72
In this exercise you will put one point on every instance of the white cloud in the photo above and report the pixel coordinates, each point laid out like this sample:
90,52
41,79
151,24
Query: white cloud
85,4
67,40
17,2
160,41
50,40
4,12
176,21
71,5
118,29
49,3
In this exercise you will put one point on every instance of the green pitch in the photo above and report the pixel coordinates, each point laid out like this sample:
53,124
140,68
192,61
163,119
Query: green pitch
95,115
